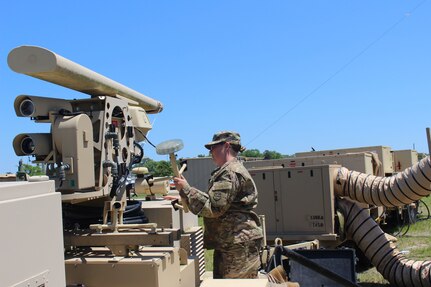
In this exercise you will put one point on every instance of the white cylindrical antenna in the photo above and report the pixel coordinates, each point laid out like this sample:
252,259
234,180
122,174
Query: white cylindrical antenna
46,65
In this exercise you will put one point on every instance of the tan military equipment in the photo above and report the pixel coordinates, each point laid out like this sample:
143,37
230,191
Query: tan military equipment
89,154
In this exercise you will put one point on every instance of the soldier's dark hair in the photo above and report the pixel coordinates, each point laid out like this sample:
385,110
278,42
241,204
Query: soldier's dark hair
236,148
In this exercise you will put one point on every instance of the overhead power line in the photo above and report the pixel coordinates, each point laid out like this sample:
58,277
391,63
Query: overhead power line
338,71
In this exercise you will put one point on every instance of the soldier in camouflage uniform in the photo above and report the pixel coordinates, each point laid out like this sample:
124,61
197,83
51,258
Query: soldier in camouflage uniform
231,227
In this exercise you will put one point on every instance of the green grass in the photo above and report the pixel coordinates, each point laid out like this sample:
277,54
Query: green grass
416,242
208,253
209,260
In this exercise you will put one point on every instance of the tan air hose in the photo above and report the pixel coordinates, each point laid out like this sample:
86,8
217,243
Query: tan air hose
397,190
388,260
403,188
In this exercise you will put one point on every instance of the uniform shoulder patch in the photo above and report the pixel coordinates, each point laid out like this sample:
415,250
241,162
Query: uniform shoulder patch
222,185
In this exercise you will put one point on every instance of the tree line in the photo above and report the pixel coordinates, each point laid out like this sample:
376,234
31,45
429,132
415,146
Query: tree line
163,167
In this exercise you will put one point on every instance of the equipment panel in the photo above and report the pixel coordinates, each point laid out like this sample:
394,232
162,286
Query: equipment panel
298,203
31,234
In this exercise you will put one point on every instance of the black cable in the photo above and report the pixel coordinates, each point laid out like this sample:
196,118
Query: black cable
412,218
406,222
138,159
407,230
145,137
149,141
428,210
84,216
399,224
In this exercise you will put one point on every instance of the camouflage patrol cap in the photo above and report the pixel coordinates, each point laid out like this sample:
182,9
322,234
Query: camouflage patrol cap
226,136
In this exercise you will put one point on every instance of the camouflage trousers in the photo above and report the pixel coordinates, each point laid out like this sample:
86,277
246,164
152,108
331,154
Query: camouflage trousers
237,261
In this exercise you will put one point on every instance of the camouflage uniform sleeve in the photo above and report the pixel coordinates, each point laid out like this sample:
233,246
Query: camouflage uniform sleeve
217,200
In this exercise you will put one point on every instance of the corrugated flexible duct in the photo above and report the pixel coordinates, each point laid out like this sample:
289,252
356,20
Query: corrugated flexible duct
397,190
403,188
387,259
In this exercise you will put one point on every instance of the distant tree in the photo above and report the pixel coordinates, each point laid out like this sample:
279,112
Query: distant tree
158,168
270,154
202,155
32,169
251,153
422,155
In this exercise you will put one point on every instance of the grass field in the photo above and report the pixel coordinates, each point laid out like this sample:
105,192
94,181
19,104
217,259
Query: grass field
208,253
416,243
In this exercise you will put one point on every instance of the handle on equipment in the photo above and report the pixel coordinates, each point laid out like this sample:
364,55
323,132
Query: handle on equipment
177,174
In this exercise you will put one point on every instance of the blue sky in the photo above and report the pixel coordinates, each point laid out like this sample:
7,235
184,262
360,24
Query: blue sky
287,75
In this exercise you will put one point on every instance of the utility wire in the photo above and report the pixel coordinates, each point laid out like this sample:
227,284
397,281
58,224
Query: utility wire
145,137
342,68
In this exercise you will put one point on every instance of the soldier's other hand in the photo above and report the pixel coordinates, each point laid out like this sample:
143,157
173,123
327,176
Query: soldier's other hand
172,197
180,182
